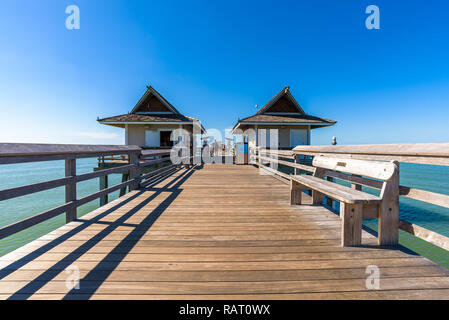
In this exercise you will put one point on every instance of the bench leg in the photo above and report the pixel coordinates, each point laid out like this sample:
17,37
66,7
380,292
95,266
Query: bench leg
317,197
295,193
388,230
388,223
351,224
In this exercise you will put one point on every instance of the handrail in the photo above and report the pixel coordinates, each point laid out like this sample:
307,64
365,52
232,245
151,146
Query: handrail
419,153
29,152
137,159
422,153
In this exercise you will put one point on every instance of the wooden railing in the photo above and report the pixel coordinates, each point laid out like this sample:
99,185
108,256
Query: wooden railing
134,171
422,153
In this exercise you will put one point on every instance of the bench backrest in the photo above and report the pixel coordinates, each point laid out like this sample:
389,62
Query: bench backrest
373,169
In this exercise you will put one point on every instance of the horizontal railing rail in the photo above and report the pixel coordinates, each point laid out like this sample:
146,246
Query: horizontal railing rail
421,153
135,173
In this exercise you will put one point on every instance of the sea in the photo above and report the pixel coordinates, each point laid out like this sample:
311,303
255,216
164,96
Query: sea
426,177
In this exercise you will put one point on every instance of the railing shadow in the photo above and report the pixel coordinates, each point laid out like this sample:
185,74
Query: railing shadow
106,265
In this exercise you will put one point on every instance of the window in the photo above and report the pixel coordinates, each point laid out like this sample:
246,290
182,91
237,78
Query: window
165,139
298,137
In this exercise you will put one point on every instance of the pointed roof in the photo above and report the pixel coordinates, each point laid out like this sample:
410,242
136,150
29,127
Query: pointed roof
283,109
159,112
153,92
283,93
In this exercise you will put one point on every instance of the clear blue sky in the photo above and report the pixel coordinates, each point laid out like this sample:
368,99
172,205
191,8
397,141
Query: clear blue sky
217,59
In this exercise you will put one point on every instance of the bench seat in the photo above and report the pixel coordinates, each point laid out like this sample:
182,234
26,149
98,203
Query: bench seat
335,191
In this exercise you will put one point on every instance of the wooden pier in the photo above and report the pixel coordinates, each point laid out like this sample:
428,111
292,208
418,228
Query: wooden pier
213,232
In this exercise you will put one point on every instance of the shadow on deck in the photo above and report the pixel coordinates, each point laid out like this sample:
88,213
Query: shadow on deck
218,232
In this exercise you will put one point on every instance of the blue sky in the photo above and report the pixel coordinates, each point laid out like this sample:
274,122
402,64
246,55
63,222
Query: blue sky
217,59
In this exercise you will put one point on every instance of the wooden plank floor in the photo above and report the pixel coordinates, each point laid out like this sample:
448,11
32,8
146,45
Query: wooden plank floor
218,232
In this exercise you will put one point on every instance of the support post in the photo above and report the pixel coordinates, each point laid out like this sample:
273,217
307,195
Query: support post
134,173
70,189
329,201
351,224
317,197
295,193
103,185
125,177
388,224
297,161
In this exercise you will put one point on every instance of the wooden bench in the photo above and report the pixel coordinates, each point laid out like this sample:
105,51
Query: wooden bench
354,203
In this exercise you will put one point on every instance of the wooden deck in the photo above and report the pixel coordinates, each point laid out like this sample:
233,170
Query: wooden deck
218,232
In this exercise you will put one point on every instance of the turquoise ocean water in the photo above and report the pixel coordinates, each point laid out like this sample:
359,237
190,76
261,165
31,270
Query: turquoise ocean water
16,209
427,177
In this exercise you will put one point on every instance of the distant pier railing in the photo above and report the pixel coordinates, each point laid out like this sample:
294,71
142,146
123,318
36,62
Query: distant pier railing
133,164
420,153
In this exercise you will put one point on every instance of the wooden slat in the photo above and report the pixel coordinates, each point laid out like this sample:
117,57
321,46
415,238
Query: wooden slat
279,153
372,169
152,153
354,179
286,163
31,221
437,199
425,234
51,184
104,172
24,152
278,173
33,188
424,153
150,162
15,227
28,149
336,191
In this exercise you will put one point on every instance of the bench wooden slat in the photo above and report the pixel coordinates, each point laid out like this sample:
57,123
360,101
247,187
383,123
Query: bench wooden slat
336,191
373,169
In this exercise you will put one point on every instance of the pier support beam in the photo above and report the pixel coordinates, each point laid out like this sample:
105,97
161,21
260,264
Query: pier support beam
104,185
329,201
135,172
70,189
125,177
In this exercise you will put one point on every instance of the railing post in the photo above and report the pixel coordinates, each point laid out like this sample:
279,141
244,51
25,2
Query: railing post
134,173
104,185
70,189
329,201
297,161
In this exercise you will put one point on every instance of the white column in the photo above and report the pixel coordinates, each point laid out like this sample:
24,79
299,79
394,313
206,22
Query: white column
126,134
257,136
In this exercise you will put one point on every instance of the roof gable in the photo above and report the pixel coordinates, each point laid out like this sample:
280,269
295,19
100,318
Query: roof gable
283,102
153,102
